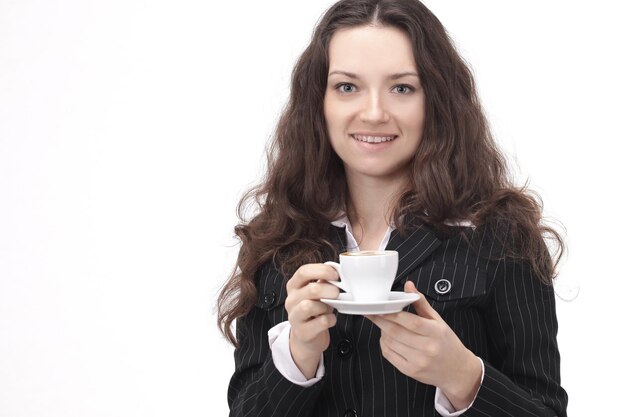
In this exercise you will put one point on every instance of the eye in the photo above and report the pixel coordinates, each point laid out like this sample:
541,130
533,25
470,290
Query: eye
343,90
405,89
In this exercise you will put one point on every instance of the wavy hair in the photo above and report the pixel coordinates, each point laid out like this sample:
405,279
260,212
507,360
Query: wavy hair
457,172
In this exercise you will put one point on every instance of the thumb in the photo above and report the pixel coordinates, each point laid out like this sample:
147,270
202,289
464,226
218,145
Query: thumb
421,306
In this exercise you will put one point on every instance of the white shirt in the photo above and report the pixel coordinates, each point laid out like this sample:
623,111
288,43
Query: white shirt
278,337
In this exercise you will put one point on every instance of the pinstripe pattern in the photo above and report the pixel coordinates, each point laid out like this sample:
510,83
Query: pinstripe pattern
497,308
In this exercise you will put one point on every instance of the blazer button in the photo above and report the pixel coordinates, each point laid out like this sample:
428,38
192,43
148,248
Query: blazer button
344,348
443,286
269,298
350,413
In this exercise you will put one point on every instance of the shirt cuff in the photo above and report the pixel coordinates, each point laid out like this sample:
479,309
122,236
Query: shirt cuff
443,405
278,337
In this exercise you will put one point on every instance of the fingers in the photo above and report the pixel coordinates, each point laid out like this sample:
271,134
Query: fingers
406,328
421,306
306,310
318,290
425,322
312,291
311,272
410,353
310,330
403,322
304,285
310,319
393,354
409,361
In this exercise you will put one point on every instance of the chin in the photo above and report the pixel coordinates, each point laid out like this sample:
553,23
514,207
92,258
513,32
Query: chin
380,173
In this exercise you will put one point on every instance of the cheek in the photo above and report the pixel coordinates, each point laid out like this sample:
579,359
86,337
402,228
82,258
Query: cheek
330,119
336,126
338,112
414,117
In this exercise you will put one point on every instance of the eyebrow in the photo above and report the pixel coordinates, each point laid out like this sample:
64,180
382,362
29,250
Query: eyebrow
391,77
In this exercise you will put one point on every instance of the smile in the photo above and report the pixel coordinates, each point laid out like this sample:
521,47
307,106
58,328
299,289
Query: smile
374,139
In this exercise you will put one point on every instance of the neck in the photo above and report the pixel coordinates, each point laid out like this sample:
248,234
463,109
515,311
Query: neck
372,201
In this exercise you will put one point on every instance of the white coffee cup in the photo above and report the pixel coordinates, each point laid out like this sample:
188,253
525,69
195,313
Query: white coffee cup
366,275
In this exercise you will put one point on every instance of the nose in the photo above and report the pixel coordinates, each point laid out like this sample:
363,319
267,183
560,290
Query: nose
374,111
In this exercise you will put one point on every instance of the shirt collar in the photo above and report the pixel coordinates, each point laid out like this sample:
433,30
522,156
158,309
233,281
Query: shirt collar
343,221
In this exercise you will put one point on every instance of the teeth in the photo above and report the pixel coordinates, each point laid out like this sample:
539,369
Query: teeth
373,139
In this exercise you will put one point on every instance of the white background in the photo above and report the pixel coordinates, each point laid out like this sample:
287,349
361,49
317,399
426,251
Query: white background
129,129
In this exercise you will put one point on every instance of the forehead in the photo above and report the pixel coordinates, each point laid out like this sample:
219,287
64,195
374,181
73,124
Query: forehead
367,48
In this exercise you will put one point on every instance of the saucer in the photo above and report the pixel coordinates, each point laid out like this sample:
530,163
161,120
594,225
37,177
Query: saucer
396,301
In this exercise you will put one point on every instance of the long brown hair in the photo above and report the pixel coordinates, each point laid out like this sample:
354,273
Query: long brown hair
457,172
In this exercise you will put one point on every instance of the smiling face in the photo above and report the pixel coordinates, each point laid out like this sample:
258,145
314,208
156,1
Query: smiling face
374,104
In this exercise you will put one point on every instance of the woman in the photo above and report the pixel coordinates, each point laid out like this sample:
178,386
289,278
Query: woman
384,146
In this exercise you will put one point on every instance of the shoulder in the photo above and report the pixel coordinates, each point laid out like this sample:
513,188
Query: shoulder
486,248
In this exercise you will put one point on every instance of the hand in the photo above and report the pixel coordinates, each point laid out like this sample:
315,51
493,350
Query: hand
425,348
310,319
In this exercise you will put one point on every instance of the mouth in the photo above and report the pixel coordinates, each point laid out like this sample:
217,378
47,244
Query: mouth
374,139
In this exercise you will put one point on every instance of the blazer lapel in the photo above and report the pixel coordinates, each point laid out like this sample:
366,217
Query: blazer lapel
412,249
337,238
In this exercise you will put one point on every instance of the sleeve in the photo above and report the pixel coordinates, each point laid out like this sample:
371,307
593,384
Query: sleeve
522,375
281,354
257,388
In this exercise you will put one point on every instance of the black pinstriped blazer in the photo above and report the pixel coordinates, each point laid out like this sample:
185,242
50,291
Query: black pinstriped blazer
496,307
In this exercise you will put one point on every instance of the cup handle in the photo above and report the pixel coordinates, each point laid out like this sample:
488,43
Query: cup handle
338,284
